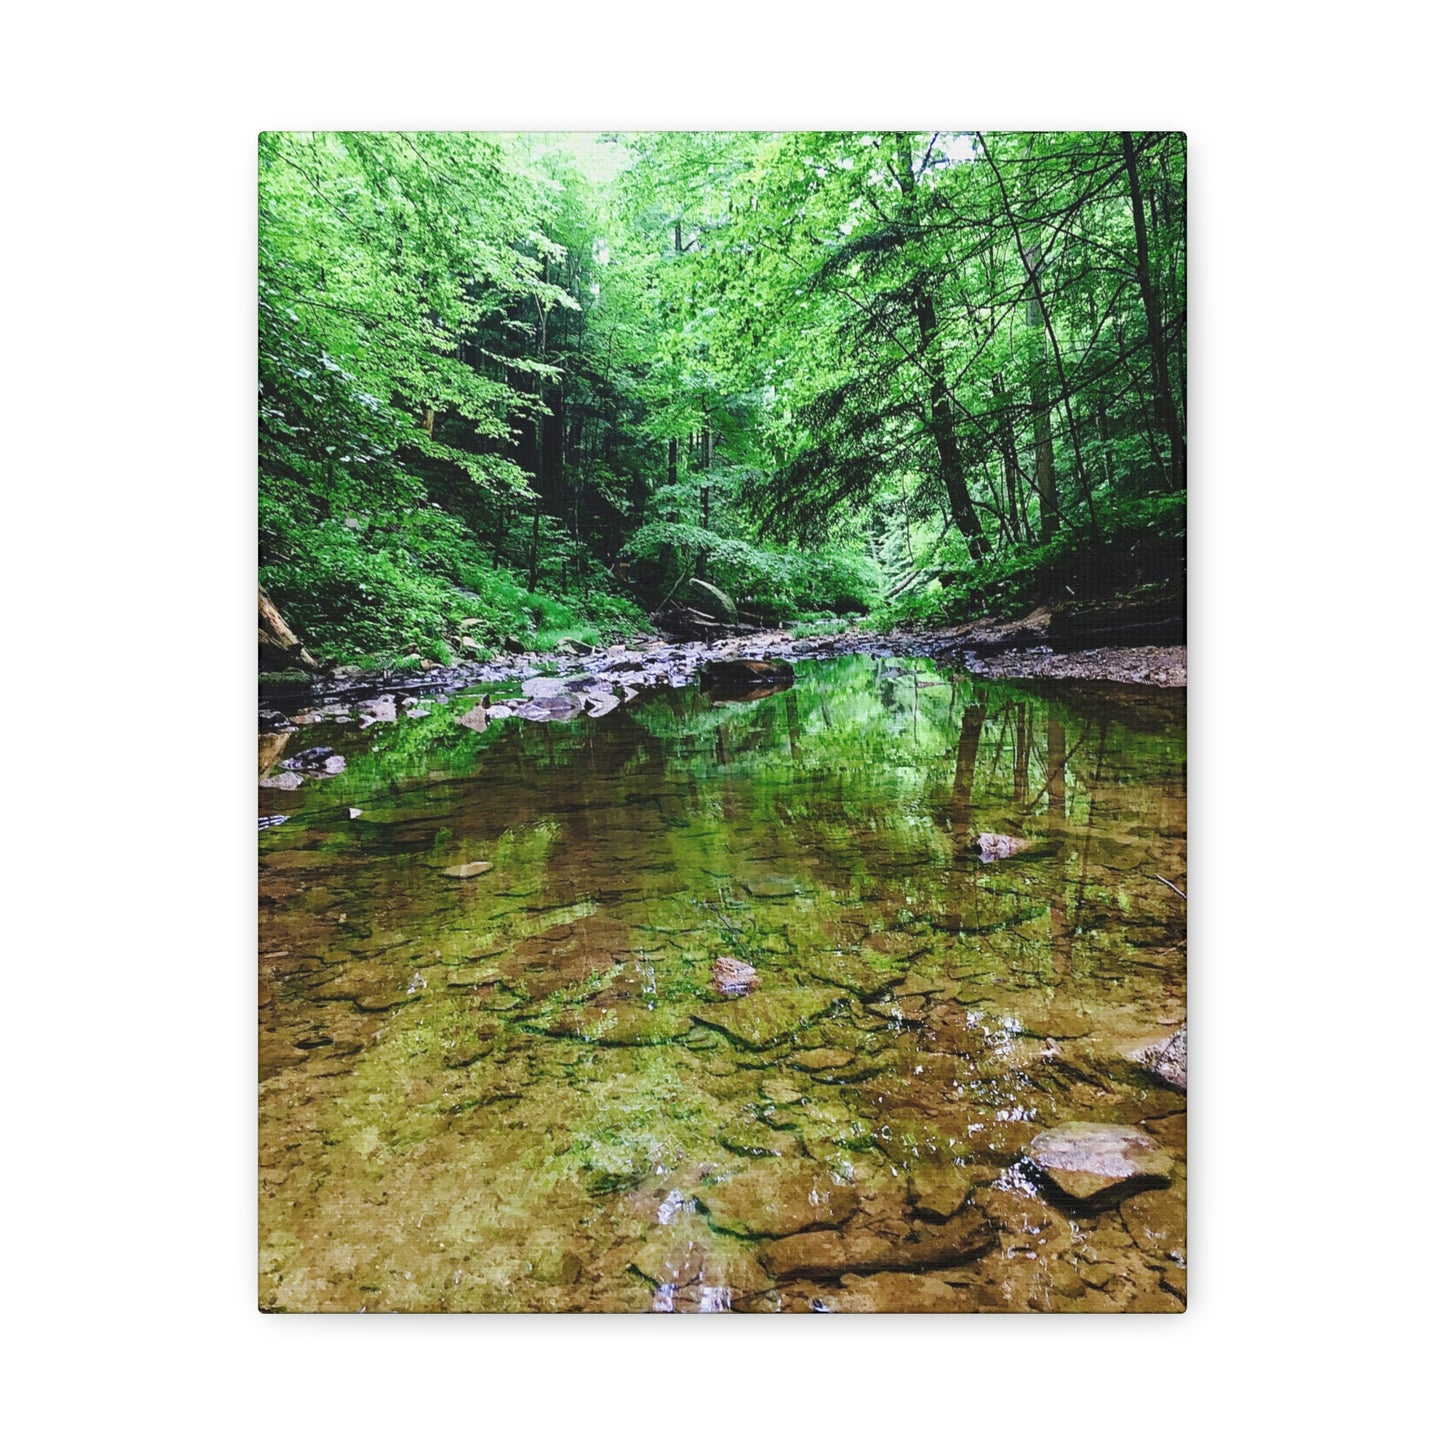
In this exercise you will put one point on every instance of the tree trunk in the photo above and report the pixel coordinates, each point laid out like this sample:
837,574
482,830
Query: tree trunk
532,557
938,420
1166,416
1044,481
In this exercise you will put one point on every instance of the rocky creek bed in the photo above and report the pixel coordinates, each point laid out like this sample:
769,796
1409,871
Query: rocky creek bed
698,999
623,670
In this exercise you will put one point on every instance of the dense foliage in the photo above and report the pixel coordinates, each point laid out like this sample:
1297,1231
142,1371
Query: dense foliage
532,385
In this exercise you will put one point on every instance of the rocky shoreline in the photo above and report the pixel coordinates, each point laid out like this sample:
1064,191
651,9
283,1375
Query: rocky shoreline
980,648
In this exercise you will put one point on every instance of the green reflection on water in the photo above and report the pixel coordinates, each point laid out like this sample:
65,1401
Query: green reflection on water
511,1091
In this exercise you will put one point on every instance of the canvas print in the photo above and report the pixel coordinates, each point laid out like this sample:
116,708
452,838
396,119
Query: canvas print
722,722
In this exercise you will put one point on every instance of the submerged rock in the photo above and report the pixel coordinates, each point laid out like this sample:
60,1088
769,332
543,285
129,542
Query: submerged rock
732,977
991,847
468,870
775,886
898,1294
623,1024
1166,1060
831,1253
782,1198
823,1061
939,1191
764,1019
1094,1166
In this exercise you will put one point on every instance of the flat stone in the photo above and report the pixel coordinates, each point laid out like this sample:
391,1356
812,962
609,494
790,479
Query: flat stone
899,1294
860,973
831,1253
543,687
1156,1223
550,709
628,1025
468,870
823,1061
381,709
767,1018
774,1199
476,719
775,887
1094,1166
1166,1059
939,1191
732,976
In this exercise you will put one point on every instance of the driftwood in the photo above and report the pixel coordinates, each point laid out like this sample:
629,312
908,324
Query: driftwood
280,648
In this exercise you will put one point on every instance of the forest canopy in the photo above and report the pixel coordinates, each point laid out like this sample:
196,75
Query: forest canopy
530,386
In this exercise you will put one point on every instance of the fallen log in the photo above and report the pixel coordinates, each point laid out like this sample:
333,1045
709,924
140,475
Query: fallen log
279,647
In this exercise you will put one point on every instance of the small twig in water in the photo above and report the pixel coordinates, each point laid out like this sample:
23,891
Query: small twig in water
1168,884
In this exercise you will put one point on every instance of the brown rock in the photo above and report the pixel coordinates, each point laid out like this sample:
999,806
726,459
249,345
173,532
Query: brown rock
732,977
1166,1059
823,1061
898,1294
773,1199
830,1253
1094,1166
1156,1223
939,1191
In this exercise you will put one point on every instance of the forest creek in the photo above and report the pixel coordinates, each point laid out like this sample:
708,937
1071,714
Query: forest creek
722,722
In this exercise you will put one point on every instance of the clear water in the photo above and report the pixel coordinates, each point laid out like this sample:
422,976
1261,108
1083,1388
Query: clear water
521,1090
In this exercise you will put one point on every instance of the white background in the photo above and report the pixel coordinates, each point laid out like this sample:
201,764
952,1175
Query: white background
129,518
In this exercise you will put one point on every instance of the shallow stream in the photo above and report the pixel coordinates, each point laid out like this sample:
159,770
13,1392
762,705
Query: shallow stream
521,1089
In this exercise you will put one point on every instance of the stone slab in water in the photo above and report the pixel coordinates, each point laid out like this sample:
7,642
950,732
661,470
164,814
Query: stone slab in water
898,1294
628,1025
831,1253
468,870
778,1199
1167,1060
732,976
1097,1165
823,1061
763,1019
774,887
939,1191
